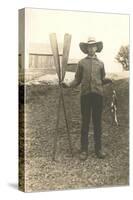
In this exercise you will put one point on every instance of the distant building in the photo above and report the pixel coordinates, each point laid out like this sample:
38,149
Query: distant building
41,61
41,57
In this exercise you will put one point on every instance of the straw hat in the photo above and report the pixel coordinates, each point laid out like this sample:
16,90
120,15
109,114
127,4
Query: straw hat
84,45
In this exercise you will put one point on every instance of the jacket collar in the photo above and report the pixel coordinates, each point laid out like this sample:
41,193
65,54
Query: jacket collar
92,57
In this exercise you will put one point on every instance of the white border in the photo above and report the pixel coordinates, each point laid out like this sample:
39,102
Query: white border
8,97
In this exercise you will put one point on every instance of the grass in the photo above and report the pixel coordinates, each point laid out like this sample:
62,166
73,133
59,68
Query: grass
69,172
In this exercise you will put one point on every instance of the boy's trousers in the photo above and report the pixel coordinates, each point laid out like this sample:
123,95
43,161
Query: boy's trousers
91,105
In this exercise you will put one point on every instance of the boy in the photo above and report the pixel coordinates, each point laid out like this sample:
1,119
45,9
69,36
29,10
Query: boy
91,75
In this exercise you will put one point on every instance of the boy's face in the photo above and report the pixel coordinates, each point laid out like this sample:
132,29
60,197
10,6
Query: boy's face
92,49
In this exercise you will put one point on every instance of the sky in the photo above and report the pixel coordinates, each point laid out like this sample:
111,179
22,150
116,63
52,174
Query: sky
112,29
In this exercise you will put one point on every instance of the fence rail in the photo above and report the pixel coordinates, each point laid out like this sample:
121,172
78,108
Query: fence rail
41,61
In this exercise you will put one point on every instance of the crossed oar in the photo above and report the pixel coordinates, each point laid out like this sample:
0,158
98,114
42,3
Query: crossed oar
61,74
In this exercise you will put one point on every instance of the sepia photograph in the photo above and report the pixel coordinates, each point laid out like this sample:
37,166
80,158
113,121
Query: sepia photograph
73,99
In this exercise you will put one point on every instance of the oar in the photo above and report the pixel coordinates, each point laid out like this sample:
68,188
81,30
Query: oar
54,47
66,50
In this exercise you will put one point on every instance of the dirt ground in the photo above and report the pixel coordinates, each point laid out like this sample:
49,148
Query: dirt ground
67,172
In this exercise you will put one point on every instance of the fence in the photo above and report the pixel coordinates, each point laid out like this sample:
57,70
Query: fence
40,64
41,61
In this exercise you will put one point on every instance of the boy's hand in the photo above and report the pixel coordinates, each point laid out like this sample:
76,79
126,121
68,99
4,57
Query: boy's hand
64,85
107,81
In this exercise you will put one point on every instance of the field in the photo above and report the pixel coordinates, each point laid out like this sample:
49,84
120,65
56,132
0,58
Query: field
67,172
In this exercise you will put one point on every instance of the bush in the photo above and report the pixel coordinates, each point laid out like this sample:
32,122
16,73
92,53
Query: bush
123,57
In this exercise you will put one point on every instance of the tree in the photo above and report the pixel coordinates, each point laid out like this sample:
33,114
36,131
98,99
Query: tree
123,57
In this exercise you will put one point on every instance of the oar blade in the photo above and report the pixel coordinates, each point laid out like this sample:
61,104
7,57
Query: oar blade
66,50
55,51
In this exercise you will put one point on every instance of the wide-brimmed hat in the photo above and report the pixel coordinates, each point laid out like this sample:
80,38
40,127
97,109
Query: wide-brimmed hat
84,45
